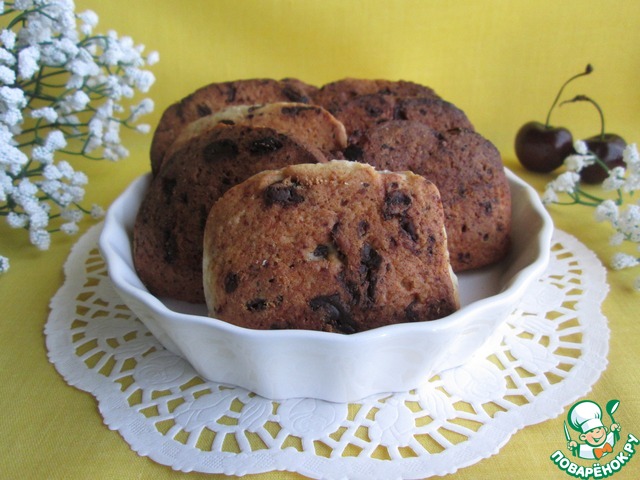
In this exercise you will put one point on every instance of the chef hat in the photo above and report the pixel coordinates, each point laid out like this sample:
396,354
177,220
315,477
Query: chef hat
585,415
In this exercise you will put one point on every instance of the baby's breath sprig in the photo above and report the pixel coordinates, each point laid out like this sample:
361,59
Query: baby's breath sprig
65,92
613,203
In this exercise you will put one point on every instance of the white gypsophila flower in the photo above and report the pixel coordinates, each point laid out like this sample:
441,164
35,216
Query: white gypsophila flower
616,239
40,238
75,102
28,62
7,75
580,146
82,66
549,196
565,182
7,58
66,170
4,264
46,113
144,107
615,180
623,260
140,79
630,154
12,101
42,154
51,172
72,215
6,184
629,223
38,219
577,162
143,128
55,140
607,211
96,211
77,98
89,20
59,52
8,39
153,58
17,220
12,159
69,228
78,179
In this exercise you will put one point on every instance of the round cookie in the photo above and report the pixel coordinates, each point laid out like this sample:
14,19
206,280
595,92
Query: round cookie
468,171
337,247
167,237
335,94
311,124
433,112
217,96
366,111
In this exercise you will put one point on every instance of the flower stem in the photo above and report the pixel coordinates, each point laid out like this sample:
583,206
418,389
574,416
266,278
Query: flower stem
587,71
584,98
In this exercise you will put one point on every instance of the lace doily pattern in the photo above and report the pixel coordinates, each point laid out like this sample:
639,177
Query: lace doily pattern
546,355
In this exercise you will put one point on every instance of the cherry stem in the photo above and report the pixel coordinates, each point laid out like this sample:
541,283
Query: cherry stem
587,71
584,98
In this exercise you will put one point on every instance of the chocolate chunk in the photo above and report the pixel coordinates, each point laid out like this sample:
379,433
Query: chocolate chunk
336,314
321,251
363,228
282,194
265,145
395,204
410,312
231,282
353,153
224,148
231,92
409,228
294,95
256,305
372,111
203,110
370,261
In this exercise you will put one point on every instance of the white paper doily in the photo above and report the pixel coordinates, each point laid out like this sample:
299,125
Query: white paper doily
548,354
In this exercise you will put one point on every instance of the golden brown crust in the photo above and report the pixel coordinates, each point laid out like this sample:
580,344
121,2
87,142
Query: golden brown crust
167,242
218,96
310,124
336,247
468,171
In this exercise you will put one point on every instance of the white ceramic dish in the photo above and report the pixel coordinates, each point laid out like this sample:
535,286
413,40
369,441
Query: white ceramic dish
282,364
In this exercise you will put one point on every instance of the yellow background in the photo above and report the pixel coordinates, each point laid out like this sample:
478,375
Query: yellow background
500,61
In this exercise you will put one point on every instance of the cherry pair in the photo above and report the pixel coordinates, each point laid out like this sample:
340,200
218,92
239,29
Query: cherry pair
543,148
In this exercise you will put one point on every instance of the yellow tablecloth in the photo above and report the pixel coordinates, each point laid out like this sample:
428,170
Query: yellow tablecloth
500,61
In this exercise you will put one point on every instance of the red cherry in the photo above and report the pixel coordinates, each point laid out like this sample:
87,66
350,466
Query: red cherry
541,147
608,147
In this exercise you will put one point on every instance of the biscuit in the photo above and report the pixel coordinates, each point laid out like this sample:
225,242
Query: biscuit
468,171
218,96
337,247
167,237
311,124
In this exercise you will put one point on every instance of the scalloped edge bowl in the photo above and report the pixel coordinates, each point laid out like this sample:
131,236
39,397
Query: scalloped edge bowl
283,364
